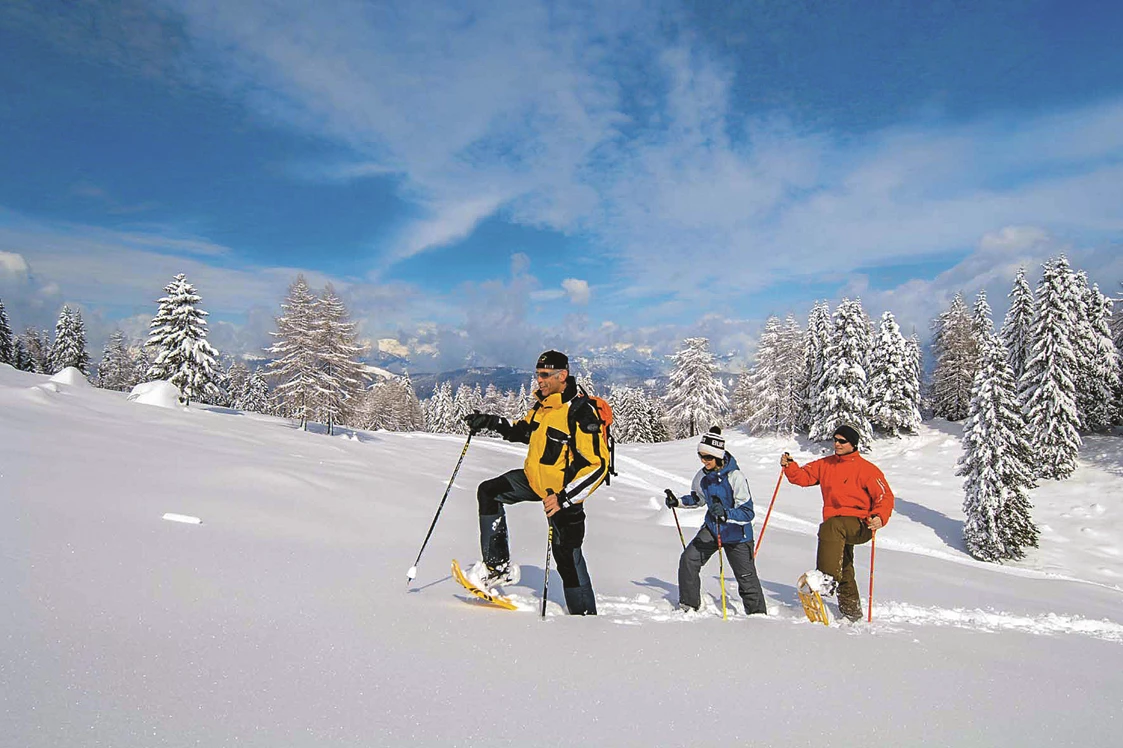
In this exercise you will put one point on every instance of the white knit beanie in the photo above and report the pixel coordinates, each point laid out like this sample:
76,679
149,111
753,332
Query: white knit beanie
712,444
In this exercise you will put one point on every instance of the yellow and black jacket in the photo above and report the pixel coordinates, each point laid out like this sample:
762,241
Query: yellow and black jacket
567,453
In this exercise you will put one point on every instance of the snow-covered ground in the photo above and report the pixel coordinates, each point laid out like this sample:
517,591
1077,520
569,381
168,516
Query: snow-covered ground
207,577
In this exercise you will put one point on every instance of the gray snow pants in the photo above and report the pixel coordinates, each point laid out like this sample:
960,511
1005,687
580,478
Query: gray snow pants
740,557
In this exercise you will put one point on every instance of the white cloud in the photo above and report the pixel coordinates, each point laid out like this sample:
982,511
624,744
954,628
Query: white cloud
578,290
12,264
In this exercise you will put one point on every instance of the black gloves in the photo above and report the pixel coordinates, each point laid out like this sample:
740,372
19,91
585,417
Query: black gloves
478,422
671,500
717,512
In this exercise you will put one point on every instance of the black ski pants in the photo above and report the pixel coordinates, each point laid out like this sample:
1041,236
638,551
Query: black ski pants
740,556
569,533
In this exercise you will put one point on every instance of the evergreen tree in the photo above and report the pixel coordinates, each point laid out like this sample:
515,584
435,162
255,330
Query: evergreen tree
339,374
1097,359
21,359
1017,325
235,382
464,402
814,361
7,340
440,412
772,400
413,419
956,361
34,344
696,398
116,371
295,367
178,336
894,388
996,463
844,393
1048,387
69,348
254,394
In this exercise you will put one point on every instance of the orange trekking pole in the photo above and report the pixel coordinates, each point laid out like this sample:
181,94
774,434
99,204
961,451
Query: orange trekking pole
873,550
763,527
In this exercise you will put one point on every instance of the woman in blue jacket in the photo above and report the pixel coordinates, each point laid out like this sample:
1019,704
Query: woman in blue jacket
729,511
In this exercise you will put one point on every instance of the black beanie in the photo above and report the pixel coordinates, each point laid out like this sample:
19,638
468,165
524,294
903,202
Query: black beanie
553,360
848,433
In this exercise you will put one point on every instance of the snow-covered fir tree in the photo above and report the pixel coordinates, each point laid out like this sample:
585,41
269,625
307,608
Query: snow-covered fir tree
916,356
235,381
494,402
254,395
392,405
637,417
894,390
956,352
696,397
771,393
815,344
844,388
1048,387
1017,325
514,406
439,410
295,368
466,400
340,376
996,464
178,337
1117,336
1098,378
7,340
412,418
69,347
116,370
38,351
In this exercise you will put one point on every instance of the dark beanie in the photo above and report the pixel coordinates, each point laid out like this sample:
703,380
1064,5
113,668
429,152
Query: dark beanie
553,360
848,433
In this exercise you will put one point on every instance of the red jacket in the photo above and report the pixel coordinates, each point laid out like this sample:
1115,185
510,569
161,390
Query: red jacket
852,486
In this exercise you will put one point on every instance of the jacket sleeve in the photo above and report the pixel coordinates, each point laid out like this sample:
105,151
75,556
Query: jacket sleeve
520,430
881,496
588,466
694,498
742,512
808,475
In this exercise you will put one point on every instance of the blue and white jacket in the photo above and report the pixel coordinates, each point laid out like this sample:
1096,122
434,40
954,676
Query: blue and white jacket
728,486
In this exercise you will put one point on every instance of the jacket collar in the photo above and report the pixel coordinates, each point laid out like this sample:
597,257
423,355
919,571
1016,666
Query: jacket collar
852,457
555,400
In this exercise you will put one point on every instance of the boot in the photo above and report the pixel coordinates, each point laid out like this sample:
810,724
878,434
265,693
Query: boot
850,608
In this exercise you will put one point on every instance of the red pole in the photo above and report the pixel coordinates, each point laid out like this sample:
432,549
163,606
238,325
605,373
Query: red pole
873,549
760,538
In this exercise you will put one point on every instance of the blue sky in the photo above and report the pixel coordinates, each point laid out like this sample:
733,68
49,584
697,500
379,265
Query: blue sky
483,180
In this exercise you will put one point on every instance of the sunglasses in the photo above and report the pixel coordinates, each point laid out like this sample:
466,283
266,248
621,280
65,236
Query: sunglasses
837,440
706,458
546,374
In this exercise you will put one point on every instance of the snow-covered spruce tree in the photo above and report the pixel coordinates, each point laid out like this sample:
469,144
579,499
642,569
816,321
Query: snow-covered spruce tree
493,401
21,359
7,340
1048,387
439,413
815,344
254,395
465,401
236,380
178,338
894,391
1098,377
116,371
1018,323
844,391
69,347
340,377
996,464
916,357
696,398
295,368
771,399
38,350
1117,336
956,361
982,324
412,418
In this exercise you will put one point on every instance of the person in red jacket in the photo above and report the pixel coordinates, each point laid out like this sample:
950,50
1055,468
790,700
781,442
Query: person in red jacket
857,502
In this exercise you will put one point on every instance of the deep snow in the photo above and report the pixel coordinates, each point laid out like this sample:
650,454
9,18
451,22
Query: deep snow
283,617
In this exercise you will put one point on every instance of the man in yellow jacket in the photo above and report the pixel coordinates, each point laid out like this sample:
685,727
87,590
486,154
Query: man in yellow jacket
565,463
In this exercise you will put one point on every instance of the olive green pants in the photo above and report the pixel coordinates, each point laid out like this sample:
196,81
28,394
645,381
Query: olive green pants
837,538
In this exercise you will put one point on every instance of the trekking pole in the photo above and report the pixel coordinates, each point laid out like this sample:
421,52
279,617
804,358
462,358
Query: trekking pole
873,549
681,539
546,576
721,567
413,569
763,527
